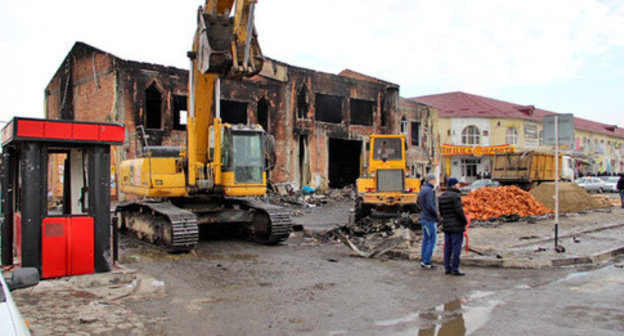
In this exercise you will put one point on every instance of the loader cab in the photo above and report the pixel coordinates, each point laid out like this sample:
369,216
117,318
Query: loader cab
386,152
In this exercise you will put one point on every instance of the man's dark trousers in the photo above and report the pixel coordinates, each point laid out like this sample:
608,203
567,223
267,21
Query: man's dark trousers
452,250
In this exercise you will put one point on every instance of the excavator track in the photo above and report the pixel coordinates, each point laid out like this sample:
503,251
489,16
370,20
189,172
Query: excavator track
175,227
160,223
279,224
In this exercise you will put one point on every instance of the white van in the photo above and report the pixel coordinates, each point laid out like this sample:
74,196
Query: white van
567,168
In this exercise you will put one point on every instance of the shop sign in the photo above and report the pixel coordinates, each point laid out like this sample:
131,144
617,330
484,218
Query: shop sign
452,150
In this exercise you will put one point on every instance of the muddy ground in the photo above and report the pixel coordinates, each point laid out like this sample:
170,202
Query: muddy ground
308,287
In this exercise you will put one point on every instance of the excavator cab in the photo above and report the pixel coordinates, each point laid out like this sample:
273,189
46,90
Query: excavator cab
243,153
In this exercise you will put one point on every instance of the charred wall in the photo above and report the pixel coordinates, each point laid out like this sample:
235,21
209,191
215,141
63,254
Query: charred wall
153,97
339,107
415,122
302,108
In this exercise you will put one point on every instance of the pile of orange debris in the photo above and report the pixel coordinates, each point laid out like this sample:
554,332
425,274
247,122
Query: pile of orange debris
494,202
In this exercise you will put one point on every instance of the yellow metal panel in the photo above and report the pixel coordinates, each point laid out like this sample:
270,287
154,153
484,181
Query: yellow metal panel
232,189
152,177
246,190
365,183
412,183
390,198
154,192
221,6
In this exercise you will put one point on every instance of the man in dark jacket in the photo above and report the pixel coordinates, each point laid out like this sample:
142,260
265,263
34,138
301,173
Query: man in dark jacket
428,219
620,188
453,224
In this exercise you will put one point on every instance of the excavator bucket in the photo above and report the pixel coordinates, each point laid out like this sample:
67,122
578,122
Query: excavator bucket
220,52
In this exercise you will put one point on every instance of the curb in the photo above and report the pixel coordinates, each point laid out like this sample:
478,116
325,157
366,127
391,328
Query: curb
517,262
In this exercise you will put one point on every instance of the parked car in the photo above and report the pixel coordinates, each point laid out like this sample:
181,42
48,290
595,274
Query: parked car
591,184
10,319
611,183
478,184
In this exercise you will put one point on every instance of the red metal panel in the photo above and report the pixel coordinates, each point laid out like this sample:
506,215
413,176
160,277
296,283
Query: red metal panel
17,237
112,133
54,247
57,130
81,243
86,132
30,128
66,131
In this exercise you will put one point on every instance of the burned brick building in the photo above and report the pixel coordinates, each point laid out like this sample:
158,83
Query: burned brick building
320,121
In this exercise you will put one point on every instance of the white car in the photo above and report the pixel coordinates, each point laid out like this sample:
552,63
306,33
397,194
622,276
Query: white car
590,184
10,319
610,182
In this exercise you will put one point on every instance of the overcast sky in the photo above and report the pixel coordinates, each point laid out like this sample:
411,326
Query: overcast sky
561,55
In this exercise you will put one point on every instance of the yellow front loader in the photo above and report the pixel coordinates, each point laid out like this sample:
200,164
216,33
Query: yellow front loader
384,185
204,182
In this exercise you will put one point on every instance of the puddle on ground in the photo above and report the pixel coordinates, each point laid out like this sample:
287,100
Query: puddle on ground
454,318
603,279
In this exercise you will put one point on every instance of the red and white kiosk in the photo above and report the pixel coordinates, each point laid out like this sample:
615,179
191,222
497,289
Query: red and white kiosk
68,231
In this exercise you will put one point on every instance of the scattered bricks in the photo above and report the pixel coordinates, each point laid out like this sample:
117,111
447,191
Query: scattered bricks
496,202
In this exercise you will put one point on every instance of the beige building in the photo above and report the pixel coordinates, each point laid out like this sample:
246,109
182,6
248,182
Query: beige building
472,128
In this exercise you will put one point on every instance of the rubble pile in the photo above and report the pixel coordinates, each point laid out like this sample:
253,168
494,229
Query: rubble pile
373,237
490,203
284,194
346,193
572,198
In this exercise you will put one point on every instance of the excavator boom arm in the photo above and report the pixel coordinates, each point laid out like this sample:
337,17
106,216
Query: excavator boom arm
224,46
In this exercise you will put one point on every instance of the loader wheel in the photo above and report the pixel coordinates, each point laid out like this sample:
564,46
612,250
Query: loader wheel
412,208
361,210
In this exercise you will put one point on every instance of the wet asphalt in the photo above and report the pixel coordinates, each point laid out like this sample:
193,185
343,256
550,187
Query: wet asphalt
311,288
307,287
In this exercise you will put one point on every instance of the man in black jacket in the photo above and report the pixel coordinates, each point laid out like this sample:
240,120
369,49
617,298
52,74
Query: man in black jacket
428,218
620,188
453,224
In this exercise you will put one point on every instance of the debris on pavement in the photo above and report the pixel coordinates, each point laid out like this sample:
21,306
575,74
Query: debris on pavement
284,194
400,237
508,202
89,304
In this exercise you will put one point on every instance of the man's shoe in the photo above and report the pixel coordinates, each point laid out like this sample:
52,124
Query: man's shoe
458,273
447,272
430,266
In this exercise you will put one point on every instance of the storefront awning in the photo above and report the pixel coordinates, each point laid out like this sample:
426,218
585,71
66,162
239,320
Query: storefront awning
453,150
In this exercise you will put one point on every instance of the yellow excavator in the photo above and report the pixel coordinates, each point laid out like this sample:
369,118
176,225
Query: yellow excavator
208,181
384,185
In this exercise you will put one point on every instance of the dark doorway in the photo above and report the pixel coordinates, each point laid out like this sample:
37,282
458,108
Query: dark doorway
233,112
304,161
263,114
344,162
